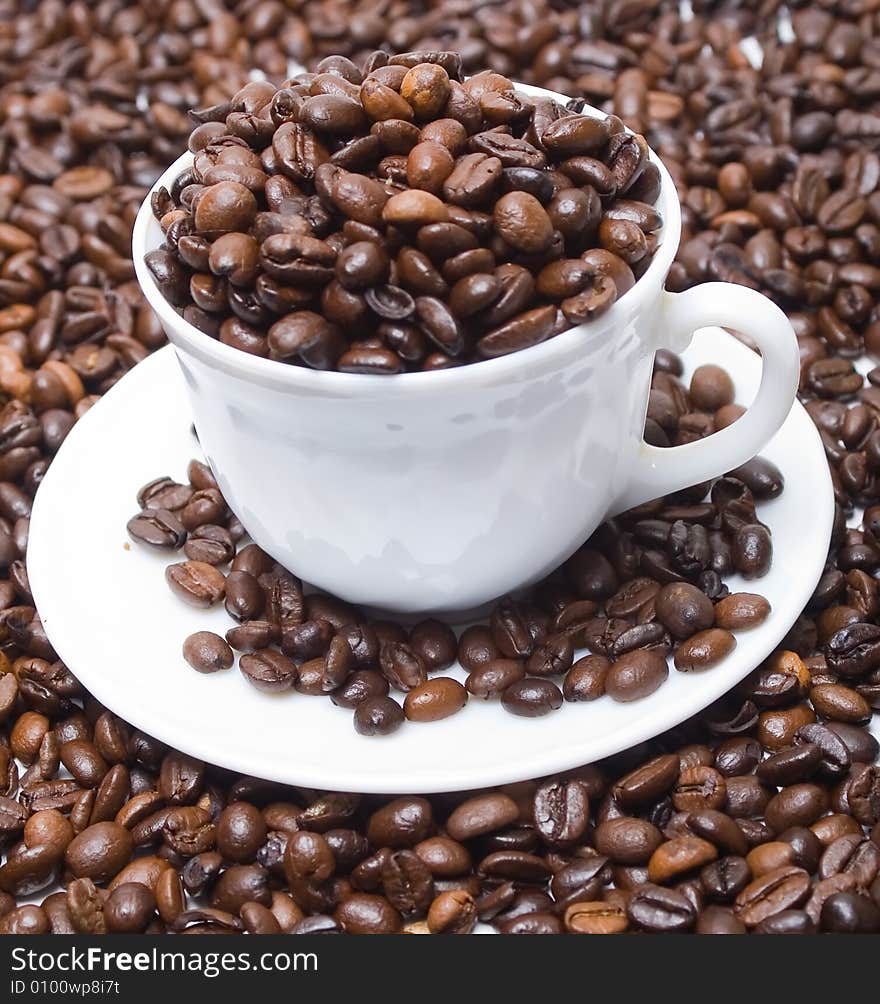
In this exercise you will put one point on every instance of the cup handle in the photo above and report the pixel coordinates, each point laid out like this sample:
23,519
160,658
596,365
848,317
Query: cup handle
656,471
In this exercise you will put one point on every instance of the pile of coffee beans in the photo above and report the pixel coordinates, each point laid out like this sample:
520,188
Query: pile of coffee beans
397,218
647,585
762,817
776,165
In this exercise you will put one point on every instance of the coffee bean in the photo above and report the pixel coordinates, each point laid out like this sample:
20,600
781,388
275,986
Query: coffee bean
636,675
679,856
207,652
129,908
494,677
480,815
648,782
719,829
402,666
378,716
196,583
434,700
628,840
704,650
240,832
752,551
268,670
585,681
851,913
453,912
840,703
531,698
561,812
782,889
683,609
435,643
740,611
99,852
157,527
725,879
656,909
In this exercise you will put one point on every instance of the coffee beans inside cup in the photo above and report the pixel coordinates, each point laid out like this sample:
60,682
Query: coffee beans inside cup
400,217
649,584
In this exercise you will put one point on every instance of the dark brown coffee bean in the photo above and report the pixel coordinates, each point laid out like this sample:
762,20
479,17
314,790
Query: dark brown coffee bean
782,889
636,675
585,681
530,698
157,527
434,700
207,652
378,716
268,670
740,611
704,650
452,912
683,609
656,909
435,642
196,582
627,840
481,815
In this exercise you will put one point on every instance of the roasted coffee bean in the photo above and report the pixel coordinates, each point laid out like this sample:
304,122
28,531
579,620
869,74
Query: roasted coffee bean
378,716
561,812
196,583
636,675
783,889
241,832
359,686
492,678
268,670
434,700
725,879
435,643
704,650
678,856
363,913
628,840
402,666
99,852
480,815
129,908
683,609
740,611
585,681
207,652
656,909
210,544
530,698
648,782
158,527
452,912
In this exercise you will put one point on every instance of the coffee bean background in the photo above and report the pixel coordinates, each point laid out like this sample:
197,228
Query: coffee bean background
777,168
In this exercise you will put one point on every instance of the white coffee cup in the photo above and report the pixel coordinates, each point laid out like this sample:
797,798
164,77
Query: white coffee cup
441,491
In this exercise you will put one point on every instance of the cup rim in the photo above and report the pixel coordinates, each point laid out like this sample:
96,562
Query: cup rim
276,374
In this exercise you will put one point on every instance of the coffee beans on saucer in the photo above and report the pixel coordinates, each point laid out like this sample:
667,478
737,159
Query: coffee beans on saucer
401,217
647,586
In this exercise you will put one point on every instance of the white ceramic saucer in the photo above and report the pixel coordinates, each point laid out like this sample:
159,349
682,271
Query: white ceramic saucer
113,620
